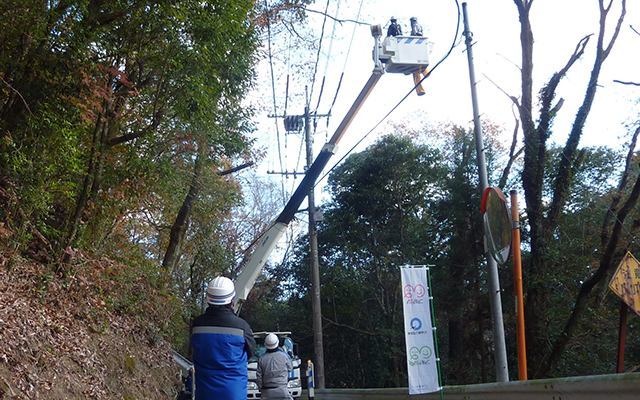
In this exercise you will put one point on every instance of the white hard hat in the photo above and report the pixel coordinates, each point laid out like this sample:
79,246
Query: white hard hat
271,341
220,291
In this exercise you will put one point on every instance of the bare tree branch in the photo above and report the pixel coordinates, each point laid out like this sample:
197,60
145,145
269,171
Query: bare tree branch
622,184
340,21
558,106
548,93
603,17
513,154
19,94
513,98
564,169
509,61
376,333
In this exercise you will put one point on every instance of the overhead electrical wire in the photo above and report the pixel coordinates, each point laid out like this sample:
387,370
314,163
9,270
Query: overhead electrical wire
315,68
273,90
333,35
453,45
286,95
300,151
344,67
326,67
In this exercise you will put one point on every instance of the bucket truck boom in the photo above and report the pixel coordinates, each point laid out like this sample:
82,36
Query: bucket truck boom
399,55
270,238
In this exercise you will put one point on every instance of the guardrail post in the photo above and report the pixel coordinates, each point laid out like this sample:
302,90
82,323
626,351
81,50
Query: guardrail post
310,379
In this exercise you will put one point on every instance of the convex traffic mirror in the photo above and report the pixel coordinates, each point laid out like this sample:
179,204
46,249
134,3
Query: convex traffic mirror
497,221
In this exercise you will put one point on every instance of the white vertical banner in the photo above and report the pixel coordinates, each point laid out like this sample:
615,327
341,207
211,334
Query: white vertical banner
418,330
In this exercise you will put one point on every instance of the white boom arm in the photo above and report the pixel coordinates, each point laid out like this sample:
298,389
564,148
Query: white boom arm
252,269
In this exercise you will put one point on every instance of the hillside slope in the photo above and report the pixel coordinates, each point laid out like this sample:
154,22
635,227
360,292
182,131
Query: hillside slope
95,332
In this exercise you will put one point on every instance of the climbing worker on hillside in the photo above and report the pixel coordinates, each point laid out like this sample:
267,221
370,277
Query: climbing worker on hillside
394,29
222,342
416,29
273,371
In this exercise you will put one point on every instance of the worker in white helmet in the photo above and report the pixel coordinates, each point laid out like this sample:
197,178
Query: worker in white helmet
273,371
394,28
416,29
222,342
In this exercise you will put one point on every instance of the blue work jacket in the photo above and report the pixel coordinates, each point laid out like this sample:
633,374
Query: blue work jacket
221,343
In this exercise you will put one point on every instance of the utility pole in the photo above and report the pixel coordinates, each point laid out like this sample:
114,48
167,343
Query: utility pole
292,124
502,372
316,307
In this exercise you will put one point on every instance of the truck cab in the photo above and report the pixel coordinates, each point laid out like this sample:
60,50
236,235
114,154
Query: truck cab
287,346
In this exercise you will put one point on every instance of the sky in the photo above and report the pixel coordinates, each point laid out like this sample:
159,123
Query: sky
558,25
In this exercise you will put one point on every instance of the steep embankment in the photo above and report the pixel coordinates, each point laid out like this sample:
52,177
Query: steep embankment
96,333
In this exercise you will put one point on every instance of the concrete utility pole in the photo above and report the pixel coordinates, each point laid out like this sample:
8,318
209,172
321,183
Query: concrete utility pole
502,371
315,268
292,125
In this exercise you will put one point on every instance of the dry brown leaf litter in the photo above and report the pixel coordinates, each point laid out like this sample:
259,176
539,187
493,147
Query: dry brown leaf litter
59,339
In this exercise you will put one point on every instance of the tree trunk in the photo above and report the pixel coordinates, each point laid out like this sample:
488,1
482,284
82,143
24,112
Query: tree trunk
81,202
543,226
179,228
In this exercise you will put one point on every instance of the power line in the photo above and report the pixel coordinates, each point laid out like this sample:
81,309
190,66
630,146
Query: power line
344,67
333,34
286,96
315,68
273,91
326,67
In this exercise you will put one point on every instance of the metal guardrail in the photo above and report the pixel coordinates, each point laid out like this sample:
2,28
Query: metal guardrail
185,365
188,374
597,387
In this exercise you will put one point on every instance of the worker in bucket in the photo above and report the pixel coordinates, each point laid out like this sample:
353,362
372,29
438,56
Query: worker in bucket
222,342
273,371
394,28
416,29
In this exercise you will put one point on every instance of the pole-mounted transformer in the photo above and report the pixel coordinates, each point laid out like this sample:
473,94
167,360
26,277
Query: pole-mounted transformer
293,123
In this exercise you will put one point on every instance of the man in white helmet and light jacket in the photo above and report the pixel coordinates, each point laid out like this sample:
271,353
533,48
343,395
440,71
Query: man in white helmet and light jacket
273,371
416,29
394,29
221,342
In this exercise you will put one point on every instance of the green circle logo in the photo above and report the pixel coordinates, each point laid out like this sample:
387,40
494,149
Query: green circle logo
414,353
426,352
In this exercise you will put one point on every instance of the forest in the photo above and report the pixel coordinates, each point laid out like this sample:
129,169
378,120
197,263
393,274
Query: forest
128,180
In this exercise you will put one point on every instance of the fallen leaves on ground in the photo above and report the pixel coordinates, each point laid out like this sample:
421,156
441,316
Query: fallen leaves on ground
82,335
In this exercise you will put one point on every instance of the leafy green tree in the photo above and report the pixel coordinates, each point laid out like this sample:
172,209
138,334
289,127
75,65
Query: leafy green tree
107,105
380,199
461,294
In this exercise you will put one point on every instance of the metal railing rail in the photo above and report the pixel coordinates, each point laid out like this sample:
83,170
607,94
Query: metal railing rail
598,387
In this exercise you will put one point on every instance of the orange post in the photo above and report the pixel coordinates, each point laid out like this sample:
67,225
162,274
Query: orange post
517,277
416,81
